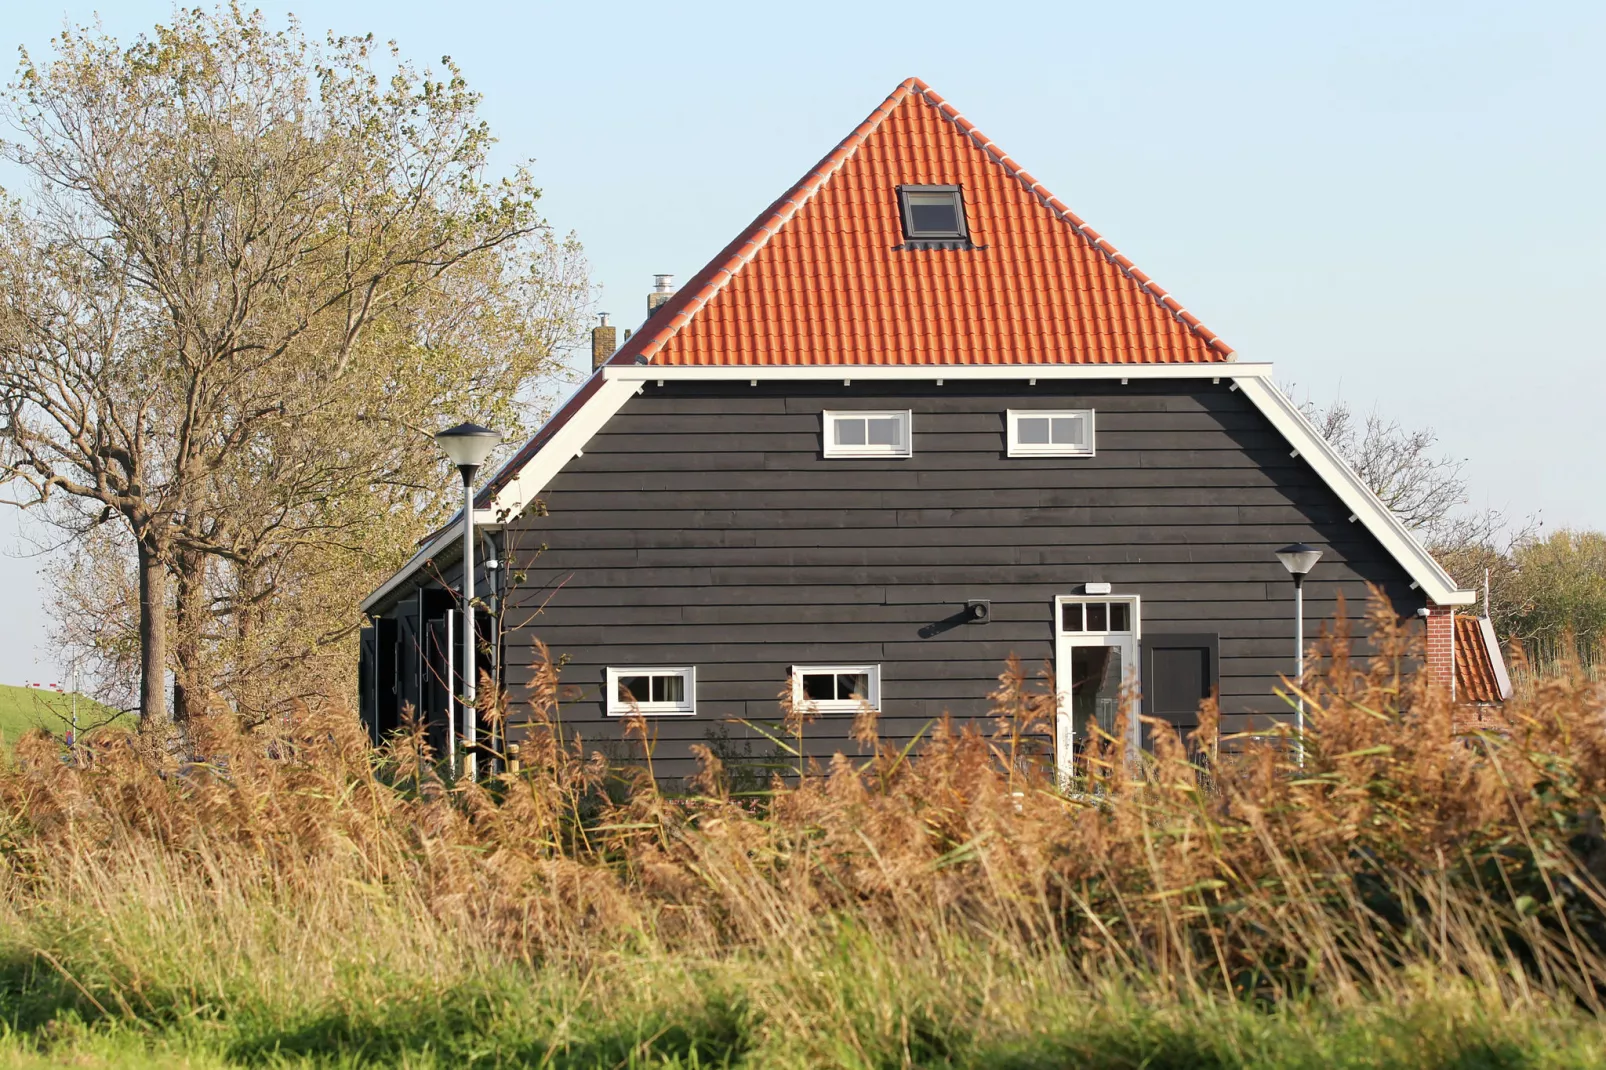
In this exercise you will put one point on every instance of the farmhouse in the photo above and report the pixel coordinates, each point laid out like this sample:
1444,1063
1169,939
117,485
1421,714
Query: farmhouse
918,416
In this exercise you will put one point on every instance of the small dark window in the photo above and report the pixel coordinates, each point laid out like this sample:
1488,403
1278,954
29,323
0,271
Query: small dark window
933,213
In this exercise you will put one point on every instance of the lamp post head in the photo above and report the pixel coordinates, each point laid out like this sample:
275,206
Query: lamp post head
467,445
1299,559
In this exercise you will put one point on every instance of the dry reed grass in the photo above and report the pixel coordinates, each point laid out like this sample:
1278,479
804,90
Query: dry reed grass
293,864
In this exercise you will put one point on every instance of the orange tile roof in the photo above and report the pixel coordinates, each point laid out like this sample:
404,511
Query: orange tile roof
816,279
1475,679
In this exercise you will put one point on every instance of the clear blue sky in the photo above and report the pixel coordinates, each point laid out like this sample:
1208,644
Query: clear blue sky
1404,204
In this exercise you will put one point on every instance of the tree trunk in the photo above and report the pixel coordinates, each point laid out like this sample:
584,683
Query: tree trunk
189,603
152,637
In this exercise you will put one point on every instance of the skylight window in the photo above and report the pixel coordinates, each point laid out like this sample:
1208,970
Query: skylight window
933,213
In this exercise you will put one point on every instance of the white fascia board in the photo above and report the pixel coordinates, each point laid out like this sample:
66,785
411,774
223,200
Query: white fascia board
517,494
564,445
1497,658
449,536
1379,519
642,373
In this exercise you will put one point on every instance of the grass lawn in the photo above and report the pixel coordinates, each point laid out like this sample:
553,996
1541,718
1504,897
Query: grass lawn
686,1013
23,709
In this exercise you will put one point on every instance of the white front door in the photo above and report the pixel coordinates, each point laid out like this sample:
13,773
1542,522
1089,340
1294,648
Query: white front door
1095,656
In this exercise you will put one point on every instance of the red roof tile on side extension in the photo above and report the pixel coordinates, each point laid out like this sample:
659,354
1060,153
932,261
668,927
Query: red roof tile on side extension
1475,676
818,278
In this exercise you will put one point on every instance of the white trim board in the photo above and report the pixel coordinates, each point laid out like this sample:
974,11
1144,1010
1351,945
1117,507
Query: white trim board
1353,491
449,536
621,382
644,373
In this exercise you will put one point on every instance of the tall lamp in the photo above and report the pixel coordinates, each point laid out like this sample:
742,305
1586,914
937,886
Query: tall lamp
1299,559
467,445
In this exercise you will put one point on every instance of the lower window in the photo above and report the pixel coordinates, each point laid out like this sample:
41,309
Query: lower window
652,692
837,688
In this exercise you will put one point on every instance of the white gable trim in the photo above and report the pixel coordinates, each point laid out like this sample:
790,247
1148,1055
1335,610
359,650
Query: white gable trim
528,481
1363,504
622,381
520,491
447,537
1491,647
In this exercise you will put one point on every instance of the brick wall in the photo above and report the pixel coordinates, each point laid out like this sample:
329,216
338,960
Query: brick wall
1441,645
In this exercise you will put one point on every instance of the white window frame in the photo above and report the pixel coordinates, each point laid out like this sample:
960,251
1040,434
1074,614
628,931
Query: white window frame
618,708
1132,600
905,418
837,705
1048,449
1129,641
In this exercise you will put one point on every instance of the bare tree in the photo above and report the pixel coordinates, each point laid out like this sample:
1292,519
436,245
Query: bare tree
1401,466
217,301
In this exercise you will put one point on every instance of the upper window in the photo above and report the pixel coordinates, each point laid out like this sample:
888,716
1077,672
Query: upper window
933,213
867,434
652,692
837,688
1088,617
1051,433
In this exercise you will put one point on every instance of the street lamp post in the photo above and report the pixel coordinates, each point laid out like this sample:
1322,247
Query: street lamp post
467,445
1299,559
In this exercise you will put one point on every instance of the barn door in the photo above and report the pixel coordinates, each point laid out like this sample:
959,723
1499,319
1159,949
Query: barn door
1095,657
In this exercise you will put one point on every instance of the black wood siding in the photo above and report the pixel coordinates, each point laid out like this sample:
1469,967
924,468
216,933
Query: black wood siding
702,526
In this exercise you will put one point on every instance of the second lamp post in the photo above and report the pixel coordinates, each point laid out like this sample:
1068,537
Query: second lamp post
467,445
1299,559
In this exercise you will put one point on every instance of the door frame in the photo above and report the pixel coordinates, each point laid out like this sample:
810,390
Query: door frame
1129,643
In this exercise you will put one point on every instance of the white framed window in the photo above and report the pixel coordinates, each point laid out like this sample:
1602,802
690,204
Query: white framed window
652,692
1050,432
837,688
1115,615
1095,660
861,433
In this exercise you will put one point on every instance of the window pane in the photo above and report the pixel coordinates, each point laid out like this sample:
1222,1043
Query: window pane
933,213
1098,617
635,689
1068,431
849,432
669,688
1032,430
884,431
819,686
852,685
1071,617
1096,675
1120,617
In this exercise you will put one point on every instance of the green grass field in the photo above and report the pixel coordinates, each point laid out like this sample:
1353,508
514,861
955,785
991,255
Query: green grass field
22,709
836,1011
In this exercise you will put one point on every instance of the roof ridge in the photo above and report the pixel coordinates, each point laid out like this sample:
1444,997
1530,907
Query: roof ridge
1095,240
680,309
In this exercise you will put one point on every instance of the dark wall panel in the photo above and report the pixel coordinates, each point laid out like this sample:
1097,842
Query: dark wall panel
702,526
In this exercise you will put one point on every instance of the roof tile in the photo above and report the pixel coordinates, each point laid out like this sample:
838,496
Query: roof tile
820,277
1475,679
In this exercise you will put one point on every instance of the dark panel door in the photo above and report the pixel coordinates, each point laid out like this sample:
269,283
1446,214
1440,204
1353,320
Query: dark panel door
440,683
1179,672
368,681
387,677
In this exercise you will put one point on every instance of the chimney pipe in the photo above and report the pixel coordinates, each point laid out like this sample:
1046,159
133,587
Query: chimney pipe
663,288
604,340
